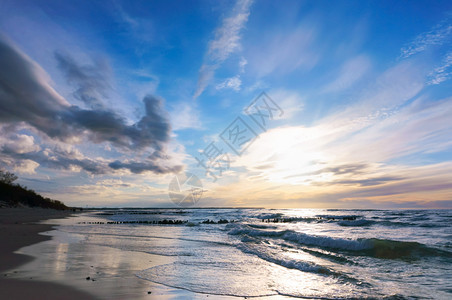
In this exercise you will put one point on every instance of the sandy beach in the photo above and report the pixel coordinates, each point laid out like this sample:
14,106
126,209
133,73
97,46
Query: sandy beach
41,271
19,228
128,254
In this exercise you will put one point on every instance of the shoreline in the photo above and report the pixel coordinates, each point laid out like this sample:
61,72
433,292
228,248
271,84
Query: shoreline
19,228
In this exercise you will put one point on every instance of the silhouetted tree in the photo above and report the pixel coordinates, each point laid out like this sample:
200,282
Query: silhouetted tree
7,177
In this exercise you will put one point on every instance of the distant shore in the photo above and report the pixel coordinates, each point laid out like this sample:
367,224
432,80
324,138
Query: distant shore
19,228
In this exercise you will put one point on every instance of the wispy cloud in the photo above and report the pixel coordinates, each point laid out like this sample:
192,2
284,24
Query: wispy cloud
291,101
140,29
351,71
125,17
226,41
380,97
185,115
242,64
443,72
435,37
91,81
233,83
286,51
350,154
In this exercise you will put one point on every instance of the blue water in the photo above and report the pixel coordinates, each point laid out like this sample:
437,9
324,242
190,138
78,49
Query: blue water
291,252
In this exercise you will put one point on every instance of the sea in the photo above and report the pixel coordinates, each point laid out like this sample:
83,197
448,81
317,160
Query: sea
290,253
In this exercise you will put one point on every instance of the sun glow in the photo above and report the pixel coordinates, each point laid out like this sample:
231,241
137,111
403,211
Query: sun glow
290,155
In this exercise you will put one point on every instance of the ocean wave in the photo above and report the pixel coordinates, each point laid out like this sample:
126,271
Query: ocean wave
355,220
430,224
360,222
380,248
342,220
304,239
395,223
266,216
391,249
287,263
262,226
272,256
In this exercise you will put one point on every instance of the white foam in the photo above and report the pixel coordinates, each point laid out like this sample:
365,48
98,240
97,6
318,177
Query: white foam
288,263
305,239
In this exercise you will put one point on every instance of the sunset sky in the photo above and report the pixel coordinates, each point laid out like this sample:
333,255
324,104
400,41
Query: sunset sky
103,102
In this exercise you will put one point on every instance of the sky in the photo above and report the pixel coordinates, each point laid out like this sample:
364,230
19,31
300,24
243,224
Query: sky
294,104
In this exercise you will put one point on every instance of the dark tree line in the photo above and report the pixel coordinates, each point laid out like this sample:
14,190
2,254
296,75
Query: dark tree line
16,195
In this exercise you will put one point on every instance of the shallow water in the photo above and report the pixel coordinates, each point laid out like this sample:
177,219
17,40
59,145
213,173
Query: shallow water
290,253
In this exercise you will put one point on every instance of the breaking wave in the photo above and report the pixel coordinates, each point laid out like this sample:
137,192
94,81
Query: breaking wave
380,248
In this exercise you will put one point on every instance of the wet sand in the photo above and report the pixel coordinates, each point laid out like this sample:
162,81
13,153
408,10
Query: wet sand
50,268
18,229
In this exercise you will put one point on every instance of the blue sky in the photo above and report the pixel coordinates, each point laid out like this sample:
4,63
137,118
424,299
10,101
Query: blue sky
103,102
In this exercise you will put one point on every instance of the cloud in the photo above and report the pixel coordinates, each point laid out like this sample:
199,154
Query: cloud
290,102
242,64
435,37
285,52
233,83
19,143
369,182
119,192
124,17
206,73
140,29
443,72
416,182
25,166
351,71
359,152
359,129
26,97
91,80
61,157
226,42
25,92
142,166
227,36
115,183
379,99
352,168
185,115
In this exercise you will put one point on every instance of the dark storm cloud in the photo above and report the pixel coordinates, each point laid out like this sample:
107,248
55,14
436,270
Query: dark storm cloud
91,81
152,130
26,97
140,167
